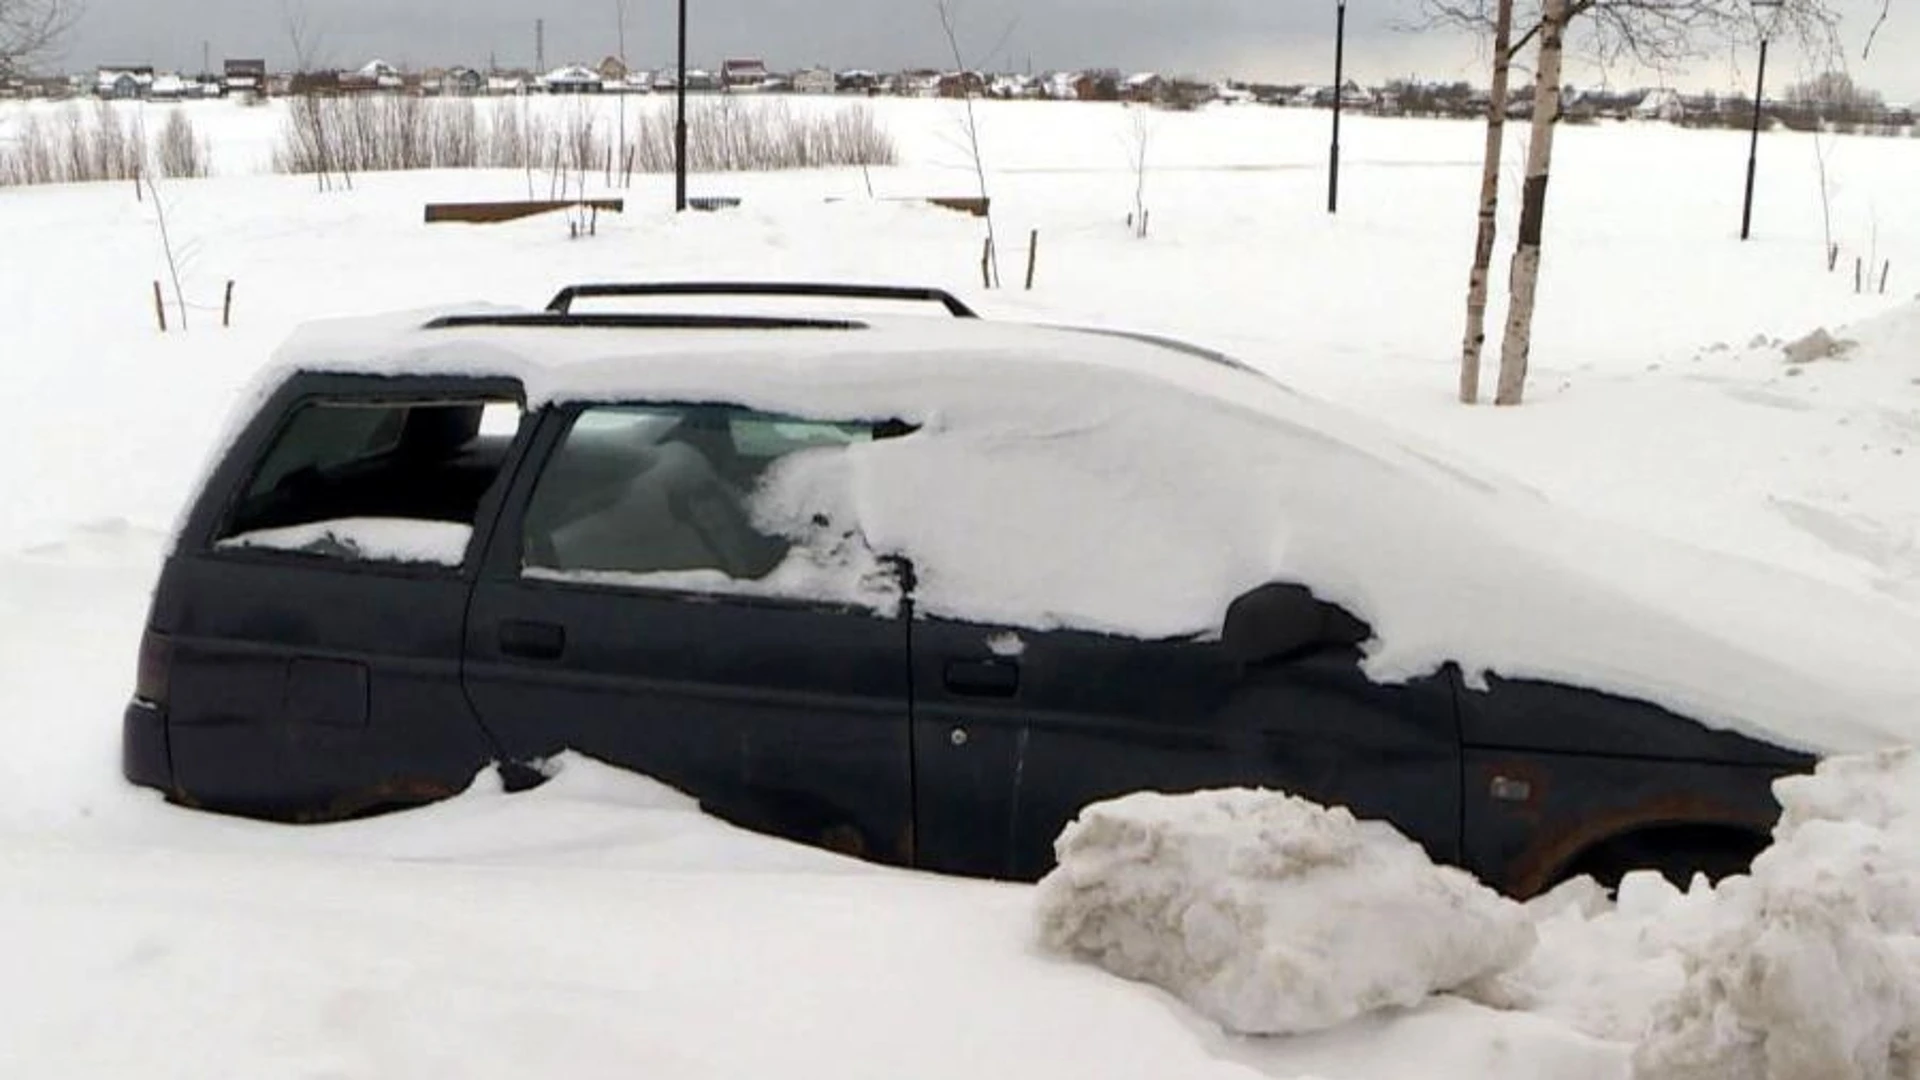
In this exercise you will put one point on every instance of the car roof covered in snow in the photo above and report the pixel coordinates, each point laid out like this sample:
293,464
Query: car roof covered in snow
1065,478
607,357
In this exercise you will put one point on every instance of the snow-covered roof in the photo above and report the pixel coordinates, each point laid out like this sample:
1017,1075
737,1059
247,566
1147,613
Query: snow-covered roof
1046,444
572,73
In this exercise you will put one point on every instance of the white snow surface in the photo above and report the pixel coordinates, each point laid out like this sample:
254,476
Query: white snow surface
601,925
405,540
1263,911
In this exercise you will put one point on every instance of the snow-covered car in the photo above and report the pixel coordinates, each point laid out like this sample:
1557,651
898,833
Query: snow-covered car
921,588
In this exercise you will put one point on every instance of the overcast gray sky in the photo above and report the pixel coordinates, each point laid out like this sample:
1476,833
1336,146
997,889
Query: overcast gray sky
1282,40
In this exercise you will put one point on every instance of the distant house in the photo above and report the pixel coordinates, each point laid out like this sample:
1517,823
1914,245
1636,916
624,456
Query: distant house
1663,104
744,74
1013,87
857,81
1097,86
167,88
1144,87
505,85
1063,86
815,81
376,75
572,79
123,83
463,82
244,77
920,82
961,84
612,70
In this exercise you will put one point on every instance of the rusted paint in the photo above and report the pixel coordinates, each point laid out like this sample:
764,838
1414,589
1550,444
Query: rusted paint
393,793
490,213
1555,848
845,840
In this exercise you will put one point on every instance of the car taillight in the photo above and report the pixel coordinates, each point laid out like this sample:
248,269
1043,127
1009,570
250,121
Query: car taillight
156,664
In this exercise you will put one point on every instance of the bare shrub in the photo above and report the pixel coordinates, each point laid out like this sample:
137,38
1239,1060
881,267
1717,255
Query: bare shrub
370,134
182,151
71,148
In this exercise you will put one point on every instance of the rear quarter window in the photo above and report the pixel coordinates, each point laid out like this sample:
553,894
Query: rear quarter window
389,481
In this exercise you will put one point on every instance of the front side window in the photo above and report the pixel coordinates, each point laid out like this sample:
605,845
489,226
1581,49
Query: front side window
377,481
701,497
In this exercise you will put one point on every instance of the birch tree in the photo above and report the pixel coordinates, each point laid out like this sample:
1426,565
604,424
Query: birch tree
1489,230
31,29
1652,33
1523,279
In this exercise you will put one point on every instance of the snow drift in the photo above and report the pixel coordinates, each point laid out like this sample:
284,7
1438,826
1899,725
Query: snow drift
1266,912
1814,972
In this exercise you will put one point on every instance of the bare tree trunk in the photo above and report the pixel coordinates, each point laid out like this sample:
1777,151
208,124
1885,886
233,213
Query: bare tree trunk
973,133
1476,336
1524,278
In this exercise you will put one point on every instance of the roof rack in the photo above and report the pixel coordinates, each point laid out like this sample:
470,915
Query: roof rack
561,319
562,303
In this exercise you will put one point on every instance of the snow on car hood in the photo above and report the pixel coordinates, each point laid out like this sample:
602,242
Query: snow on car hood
1060,479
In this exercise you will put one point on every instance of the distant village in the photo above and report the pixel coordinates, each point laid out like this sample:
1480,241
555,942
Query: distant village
252,79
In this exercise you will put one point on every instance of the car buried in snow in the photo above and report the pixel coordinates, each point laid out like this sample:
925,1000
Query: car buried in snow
919,589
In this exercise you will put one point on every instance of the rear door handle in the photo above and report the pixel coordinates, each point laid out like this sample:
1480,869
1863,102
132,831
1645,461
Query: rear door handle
983,678
533,640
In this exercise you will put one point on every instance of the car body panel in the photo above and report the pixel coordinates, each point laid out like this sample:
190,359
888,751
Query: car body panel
789,718
1089,717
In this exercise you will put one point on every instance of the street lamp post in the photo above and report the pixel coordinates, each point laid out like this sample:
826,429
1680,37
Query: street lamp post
680,120
1766,13
1339,86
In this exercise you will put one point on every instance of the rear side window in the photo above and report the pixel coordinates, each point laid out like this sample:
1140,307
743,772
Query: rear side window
652,494
386,481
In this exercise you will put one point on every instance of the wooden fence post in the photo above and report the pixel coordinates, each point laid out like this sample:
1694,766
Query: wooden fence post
1885,269
226,308
986,263
1033,256
159,307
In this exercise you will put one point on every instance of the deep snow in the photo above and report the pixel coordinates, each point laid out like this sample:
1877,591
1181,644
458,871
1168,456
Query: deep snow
598,927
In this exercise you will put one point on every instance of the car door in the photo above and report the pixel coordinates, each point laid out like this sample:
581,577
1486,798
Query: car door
1017,731
636,607
313,607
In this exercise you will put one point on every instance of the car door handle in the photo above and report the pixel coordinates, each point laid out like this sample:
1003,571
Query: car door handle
533,640
983,678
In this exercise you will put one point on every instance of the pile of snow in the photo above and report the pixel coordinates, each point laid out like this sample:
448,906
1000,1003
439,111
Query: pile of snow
1600,964
1266,912
1815,971
439,543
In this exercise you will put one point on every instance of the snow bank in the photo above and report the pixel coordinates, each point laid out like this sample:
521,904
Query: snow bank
1815,973
439,543
1267,913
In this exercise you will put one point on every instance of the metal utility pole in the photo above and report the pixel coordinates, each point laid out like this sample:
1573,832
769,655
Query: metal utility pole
680,120
539,46
1339,91
1772,8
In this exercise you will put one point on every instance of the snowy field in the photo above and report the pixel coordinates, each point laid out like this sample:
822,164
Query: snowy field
601,927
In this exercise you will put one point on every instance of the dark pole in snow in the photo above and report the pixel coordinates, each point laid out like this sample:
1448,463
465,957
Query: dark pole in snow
1753,147
1339,83
680,120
